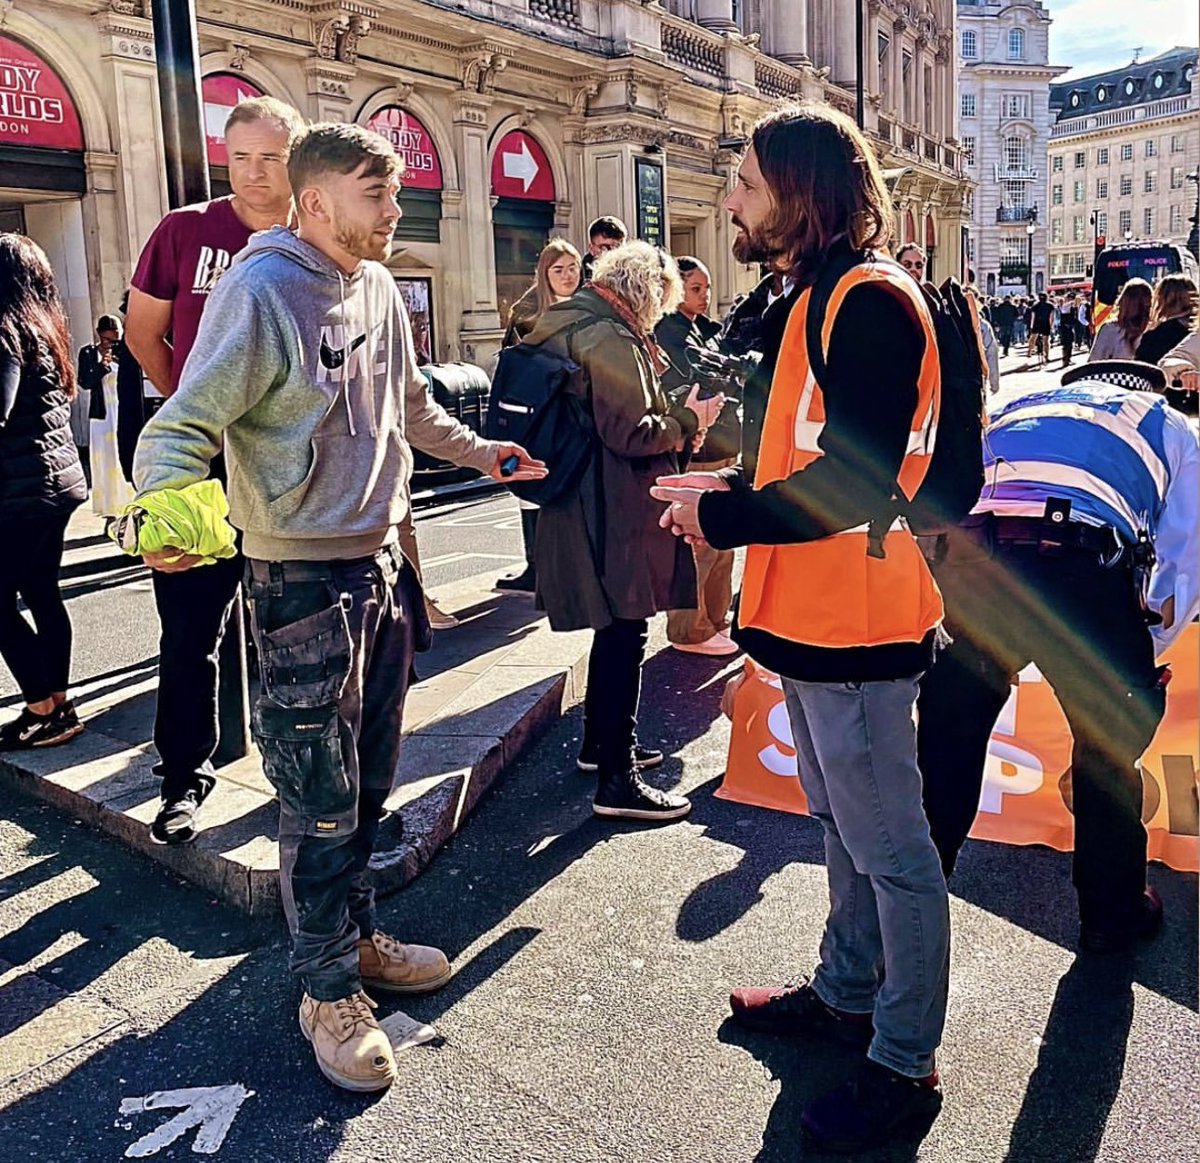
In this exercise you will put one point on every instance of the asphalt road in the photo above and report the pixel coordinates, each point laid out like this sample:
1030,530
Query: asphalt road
587,1018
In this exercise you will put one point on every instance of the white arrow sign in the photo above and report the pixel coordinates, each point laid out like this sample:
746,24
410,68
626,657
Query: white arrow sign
523,166
211,1108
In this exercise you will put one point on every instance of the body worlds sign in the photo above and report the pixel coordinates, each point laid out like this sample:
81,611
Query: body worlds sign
35,108
411,140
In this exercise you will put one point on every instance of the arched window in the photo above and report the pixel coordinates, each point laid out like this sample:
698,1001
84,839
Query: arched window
1016,44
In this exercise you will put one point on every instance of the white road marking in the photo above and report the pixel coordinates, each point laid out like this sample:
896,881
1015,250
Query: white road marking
211,1108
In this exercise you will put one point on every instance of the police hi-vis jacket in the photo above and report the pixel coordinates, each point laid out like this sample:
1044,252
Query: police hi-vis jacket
1123,458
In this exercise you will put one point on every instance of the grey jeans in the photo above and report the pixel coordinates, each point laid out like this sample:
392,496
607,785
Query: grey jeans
336,643
886,947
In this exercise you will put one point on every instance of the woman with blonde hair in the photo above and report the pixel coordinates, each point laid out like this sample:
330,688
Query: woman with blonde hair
559,276
1119,337
1176,305
603,560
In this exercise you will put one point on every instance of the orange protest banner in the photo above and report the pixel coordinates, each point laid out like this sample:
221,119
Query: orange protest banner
1026,788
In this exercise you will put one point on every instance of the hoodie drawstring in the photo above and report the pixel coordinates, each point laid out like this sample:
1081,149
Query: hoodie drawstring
346,363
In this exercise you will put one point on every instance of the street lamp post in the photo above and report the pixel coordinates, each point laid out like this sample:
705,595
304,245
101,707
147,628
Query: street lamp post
1030,228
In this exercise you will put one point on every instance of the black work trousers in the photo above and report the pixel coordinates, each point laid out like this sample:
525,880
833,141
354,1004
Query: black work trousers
1008,605
613,690
336,642
192,609
39,656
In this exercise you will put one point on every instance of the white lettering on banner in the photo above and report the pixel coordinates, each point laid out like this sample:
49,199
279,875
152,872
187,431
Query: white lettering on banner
408,142
773,758
48,110
1027,771
19,78
211,265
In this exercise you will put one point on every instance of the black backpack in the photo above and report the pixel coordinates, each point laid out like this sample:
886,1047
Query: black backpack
536,403
955,478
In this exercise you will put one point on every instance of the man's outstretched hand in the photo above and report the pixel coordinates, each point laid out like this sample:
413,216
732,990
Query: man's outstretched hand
527,468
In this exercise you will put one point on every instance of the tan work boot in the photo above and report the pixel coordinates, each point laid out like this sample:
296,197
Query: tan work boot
350,1047
386,964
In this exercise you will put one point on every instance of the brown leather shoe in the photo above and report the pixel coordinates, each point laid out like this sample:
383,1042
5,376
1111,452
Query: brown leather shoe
388,965
351,1049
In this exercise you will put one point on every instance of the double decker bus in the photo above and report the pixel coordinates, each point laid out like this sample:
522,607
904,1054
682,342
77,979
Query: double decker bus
1117,264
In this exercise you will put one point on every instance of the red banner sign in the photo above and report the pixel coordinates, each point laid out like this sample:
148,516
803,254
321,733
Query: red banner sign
35,108
220,92
411,140
521,169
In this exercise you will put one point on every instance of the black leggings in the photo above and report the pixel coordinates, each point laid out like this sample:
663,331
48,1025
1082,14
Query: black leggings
613,689
40,659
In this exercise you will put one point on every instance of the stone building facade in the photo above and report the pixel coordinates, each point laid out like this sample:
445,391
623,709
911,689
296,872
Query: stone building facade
519,120
1004,124
1123,145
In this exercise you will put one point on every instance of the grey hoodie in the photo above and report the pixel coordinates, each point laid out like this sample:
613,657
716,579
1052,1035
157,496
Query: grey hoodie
310,377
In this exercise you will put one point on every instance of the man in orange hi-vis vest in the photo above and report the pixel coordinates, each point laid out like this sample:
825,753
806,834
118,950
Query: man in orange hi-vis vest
838,600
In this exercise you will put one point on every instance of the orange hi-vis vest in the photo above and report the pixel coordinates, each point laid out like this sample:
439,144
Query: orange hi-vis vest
832,592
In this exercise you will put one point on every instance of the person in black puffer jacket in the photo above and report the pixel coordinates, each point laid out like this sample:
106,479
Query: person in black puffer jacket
41,484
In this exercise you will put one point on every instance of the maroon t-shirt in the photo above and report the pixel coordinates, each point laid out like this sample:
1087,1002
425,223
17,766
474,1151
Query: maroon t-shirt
189,250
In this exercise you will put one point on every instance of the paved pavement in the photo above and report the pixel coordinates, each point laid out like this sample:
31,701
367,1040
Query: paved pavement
586,1021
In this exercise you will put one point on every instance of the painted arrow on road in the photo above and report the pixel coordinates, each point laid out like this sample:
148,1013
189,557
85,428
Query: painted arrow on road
522,166
211,1108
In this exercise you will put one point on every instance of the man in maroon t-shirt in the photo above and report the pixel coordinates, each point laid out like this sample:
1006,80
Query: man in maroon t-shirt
189,250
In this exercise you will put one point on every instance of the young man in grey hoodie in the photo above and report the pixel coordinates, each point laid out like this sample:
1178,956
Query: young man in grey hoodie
304,365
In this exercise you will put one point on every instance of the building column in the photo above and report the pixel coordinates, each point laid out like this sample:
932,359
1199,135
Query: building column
844,64
716,14
789,32
480,327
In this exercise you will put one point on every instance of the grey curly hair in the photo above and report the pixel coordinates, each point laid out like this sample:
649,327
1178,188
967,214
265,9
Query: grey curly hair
646,278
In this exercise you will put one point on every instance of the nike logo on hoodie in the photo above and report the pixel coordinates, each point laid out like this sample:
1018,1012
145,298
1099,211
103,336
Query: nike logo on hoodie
334,357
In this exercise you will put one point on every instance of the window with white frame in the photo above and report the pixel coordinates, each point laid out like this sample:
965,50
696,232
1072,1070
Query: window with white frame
1127,152
1102,156
1102,223
1126,185
1078,231
1016,44
966,104
1056,230
970,44
1125,222
1177,177
1176,219
1101,187
1014,193
1151,148
969,204
1151,181
1148,221
1056,196
1080,191
1015,153
1177,143
1055,265
1012,249
1080,159
1015,105
1056,163
1076,262
968,150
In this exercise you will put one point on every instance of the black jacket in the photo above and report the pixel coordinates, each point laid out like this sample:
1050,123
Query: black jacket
681,339
1156,342
40,473
90,373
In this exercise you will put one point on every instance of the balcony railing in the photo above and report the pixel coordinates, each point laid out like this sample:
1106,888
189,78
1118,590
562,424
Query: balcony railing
1015,213
692,47
565,12
1167,107
776,80
1014,173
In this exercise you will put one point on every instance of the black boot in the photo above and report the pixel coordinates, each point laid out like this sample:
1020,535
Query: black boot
623,795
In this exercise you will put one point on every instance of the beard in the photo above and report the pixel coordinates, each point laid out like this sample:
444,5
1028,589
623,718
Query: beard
361,242
751,246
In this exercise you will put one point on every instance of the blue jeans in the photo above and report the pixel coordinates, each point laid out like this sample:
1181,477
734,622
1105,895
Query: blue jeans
886,948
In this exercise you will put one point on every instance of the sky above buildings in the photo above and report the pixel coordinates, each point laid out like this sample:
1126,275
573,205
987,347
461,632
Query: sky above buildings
1091,36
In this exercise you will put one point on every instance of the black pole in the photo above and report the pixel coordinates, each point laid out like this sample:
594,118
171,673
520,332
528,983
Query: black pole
175,45
859,37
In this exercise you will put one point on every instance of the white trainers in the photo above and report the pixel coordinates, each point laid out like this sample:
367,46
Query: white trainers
716,646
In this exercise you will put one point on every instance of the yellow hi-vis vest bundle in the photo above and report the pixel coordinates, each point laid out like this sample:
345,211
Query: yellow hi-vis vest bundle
832,592
192,519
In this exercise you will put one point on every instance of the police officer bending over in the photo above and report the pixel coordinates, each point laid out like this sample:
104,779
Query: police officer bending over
1081,557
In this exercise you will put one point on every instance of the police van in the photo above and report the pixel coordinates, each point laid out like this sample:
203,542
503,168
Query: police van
1117,264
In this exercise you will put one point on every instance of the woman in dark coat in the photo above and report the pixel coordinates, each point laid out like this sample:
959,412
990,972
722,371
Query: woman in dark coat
603,561
1176,306
41,483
